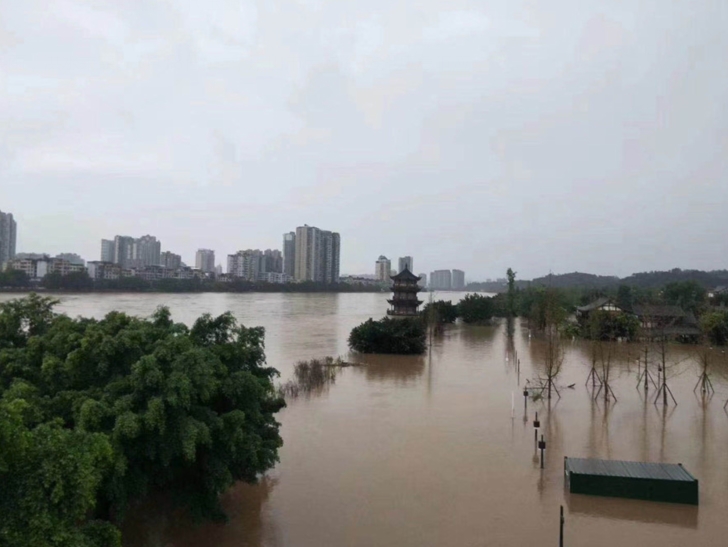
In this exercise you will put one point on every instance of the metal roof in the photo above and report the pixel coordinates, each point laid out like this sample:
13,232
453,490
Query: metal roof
635,470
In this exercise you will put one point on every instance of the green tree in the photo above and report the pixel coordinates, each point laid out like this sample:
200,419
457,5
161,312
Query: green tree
476,308
689,295
512,305
50,477
188,411
715,327
73,281
442,311
604,325
14,279
625,297
395,336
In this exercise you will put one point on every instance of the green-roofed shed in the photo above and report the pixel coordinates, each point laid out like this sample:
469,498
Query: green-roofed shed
637,480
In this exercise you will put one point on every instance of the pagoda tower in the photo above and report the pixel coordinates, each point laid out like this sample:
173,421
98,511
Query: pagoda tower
404,301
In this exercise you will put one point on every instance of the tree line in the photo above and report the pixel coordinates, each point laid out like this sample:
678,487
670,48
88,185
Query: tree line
82,282
644,280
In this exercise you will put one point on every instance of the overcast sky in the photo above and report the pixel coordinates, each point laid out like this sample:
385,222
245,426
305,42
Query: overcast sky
566,135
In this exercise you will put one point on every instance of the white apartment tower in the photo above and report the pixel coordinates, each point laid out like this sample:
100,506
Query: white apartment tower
317,255
107,250
382,268
441,280
458,280
205,260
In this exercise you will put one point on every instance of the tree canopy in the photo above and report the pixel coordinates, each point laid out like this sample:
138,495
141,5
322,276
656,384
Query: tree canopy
440,311
97,414
476,308
402,336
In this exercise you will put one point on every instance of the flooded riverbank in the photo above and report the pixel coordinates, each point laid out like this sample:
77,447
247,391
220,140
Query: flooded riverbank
417,451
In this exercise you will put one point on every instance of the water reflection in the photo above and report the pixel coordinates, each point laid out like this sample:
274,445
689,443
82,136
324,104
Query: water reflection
396,369
155,524
684,516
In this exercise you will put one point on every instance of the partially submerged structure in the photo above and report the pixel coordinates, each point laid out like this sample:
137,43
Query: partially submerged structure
637,480
404,302
656,321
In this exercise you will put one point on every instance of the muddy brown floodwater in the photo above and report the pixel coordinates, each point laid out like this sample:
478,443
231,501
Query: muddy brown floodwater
425,451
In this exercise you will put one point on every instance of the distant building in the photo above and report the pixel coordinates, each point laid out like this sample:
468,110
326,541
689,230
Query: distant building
274,277
289,253
205,260
317,255
382,268
423,280
441,280
458,280
103,270
32,256
8,237
27,265
273,261
331,251
406,262
170,260
73,258
367,280
248,264
147,251
218,270
37,269
107,250
123,250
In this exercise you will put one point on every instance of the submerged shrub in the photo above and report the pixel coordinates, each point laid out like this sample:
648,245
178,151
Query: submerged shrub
398,336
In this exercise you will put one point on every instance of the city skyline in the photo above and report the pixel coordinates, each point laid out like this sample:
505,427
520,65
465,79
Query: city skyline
469,136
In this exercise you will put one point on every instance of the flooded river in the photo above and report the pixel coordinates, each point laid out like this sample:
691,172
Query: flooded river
429,451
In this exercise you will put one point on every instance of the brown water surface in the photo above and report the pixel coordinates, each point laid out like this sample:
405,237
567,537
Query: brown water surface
427,451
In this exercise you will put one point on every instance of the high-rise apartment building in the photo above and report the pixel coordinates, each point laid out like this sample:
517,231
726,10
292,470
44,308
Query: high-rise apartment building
441,280
423,280
123,250
330,250
382,268
317,255
107,250
308,251
248,264
205,260
273,261
289,254
147,251
170,260
8,237
406,262
458,280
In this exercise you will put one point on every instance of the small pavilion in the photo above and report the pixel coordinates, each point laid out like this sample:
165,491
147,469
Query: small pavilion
404,302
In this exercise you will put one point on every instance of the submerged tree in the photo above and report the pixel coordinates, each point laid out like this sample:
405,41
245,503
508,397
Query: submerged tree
554,357
704,357
440,311
476,309
511,306
395,336
603,328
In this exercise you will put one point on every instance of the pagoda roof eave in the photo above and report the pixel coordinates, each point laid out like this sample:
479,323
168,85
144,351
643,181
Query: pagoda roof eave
405,275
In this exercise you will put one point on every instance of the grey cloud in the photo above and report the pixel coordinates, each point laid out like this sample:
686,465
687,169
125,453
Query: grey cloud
563,135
